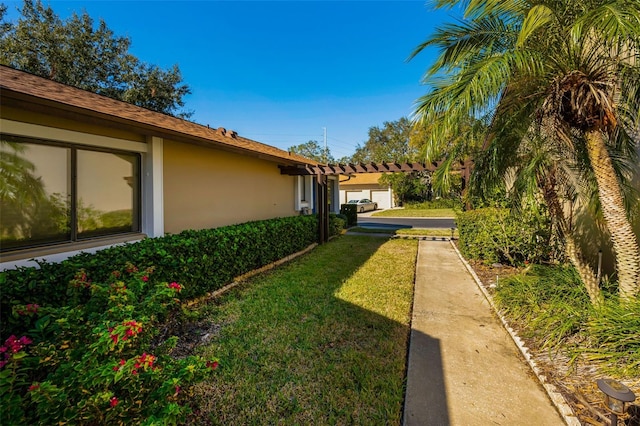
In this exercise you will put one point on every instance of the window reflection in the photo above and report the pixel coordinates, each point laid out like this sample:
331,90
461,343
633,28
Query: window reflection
34,194
51,194
106,193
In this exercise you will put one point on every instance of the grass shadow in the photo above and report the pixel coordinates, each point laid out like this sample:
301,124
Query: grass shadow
321,340
426,400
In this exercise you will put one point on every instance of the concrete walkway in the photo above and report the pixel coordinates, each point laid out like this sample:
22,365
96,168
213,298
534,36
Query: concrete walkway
464,368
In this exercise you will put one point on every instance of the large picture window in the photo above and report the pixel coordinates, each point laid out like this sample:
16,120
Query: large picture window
56,193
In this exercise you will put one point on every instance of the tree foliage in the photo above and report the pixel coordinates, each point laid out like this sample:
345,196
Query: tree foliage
389,143
78,53
313,151
408,187
557,83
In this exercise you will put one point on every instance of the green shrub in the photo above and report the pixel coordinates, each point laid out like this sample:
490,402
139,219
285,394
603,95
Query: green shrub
495,235
95,363
337,222
550,301
203,261
614,337
87,355
351,213
552,307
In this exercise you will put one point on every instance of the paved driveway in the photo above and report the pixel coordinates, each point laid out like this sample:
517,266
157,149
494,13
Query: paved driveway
365,220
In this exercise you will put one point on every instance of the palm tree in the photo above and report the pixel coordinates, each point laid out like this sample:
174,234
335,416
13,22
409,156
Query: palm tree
545,170
569,69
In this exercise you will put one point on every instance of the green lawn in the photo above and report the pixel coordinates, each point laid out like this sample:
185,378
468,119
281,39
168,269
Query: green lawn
321,340
415,213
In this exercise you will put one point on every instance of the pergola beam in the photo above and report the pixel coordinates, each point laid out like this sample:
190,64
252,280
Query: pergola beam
321,172
347,169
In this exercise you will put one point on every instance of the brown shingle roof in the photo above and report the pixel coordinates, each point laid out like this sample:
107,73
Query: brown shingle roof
25,86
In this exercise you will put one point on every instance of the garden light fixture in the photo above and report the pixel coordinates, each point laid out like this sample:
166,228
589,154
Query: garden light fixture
616,397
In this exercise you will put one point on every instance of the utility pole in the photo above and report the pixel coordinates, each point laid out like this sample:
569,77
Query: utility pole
324,154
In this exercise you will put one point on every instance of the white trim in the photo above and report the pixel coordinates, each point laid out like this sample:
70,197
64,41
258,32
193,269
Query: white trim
334,181
19,128
152,188
302,185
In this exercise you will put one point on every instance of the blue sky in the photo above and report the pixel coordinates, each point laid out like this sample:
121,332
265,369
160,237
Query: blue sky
279,72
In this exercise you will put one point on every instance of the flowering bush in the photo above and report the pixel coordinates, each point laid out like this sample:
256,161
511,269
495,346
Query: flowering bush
94,363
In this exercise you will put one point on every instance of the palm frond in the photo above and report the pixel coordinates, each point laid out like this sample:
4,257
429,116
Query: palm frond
462,42
615,20
537,17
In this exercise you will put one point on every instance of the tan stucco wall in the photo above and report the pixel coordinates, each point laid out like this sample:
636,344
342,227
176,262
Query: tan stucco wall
208,188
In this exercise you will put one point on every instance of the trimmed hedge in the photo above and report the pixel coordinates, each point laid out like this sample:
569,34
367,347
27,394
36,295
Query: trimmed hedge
495,235
203,261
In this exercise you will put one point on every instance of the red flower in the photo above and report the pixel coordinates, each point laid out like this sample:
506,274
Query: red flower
212,364
145,278
175,286
113,401
34,387
14,345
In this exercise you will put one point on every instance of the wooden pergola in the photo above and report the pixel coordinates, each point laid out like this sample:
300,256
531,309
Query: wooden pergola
321,171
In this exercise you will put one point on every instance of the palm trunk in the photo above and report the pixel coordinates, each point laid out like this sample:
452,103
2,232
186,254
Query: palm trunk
586,272
571,248
625,244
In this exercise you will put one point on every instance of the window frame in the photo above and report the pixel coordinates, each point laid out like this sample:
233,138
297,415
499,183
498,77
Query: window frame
72,170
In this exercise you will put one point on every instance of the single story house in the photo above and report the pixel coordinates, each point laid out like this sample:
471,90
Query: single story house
365,185
81,172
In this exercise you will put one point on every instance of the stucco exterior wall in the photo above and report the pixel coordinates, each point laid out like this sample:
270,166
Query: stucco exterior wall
208,188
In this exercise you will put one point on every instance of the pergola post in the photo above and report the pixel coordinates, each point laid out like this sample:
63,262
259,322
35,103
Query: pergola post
322,207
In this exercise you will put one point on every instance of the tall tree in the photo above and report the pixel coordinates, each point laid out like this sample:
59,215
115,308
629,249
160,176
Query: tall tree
567,70
313,151
77,53
389,143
